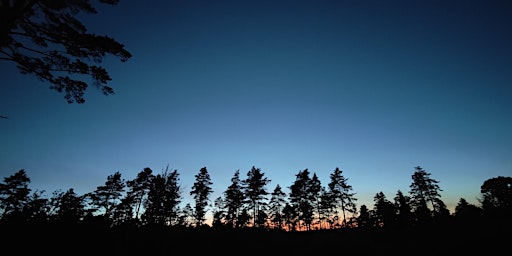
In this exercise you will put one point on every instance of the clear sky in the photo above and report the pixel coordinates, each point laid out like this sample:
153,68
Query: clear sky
372,87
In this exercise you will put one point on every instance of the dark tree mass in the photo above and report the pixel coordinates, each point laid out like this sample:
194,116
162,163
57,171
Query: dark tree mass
44,38
145,215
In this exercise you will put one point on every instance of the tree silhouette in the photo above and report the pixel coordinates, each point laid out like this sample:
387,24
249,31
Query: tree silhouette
139,188
301,198
340,190
74,225
364,220
441,214
71,208
497,197
423,190
107,196
403,209
14,194
276,206
290,216
466,212
45,39
36,209
314,191
164,197
234,200
188,215
255,190
201,191
218,212
384,211
327,208
172,196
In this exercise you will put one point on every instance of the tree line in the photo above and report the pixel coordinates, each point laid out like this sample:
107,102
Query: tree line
156,200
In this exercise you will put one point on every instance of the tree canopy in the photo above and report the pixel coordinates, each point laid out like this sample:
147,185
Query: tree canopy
156,201
44,38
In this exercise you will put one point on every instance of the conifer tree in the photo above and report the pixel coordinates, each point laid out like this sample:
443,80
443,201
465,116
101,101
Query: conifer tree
301,199
342,193
14,194
201,191
364,220
234,200
105,198
276,206
138,189
424,190
327,208
164,197
314,191
384,211
255,190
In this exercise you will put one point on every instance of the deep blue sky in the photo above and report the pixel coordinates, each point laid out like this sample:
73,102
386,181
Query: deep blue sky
372,87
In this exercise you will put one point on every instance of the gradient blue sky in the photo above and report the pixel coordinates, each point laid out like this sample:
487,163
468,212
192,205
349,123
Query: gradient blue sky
372,87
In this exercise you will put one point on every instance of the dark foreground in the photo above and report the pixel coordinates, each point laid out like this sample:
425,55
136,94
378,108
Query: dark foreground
53,240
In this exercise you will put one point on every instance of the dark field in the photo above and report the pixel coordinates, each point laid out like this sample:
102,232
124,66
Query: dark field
161,241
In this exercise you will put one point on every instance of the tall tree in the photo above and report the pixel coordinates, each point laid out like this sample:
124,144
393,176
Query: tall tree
154,204
301,200
106,197
234,200
424,190
45,38
164,197
276,206
342,193
139,188
255,189
201,191
14,194
172,197
314,191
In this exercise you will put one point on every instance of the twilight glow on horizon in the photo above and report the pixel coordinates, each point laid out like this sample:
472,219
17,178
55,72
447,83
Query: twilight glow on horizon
372,87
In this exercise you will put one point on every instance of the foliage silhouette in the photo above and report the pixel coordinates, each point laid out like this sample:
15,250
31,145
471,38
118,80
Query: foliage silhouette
255,190
44,38
201,190
388,227
497,196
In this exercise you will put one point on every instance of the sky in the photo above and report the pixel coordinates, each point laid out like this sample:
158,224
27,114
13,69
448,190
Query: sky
374,88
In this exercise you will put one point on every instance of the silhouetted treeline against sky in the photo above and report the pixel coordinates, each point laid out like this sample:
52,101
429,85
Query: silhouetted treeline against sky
143,214
156,200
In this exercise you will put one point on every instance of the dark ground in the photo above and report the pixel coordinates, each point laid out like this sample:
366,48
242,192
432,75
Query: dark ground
53,240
